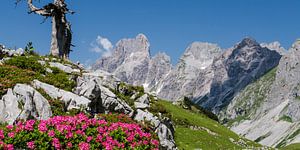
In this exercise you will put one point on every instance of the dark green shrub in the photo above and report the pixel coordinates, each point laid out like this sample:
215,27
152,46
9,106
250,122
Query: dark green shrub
11,75
59,80
198,109
26,62
29,49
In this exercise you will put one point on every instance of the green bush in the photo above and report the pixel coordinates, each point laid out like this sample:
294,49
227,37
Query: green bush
60,80
125,97
26,62
198,109
11,75
130,89
29,49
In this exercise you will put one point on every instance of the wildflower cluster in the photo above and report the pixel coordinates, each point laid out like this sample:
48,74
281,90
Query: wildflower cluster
76,132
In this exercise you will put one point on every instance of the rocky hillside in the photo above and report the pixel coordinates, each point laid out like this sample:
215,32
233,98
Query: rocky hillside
40,87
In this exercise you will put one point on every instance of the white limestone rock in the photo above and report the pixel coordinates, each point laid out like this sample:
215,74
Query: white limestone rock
24,102
142,102
70,99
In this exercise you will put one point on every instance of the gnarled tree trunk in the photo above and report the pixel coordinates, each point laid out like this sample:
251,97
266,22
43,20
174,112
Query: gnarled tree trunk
61,28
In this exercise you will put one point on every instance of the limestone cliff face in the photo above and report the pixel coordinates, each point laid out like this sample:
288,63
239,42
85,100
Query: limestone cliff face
192,69
129,61
159,66
235,69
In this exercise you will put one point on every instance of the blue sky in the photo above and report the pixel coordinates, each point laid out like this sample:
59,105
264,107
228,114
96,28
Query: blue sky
170,25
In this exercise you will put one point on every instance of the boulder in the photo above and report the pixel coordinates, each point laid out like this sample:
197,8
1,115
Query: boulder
23,102
9,110
103,100
34,103
164,129
107,79
64,68
142,102
70,99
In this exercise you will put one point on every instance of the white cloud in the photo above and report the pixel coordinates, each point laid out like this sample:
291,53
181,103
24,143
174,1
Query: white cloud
102,45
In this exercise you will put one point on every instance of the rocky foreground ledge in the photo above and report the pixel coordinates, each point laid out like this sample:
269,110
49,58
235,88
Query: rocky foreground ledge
94,92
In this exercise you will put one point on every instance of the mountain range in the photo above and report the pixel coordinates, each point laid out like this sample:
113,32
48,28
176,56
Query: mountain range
252,87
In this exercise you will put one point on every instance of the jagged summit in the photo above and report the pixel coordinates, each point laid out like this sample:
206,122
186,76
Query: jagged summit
233,71
200,54
162,55
248,41
142,37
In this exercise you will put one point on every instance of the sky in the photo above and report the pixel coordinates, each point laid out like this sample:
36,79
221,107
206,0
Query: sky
170,25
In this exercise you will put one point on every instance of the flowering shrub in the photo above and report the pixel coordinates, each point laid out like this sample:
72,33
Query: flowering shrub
78,132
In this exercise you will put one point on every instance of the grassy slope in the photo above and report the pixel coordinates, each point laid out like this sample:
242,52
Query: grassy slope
295,146
256,93
24,69
187,138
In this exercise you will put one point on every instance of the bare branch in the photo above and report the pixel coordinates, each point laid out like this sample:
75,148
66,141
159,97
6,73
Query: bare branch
40,11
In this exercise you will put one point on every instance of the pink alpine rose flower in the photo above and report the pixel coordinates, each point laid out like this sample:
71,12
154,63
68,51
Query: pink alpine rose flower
51,133
84,146
30,145
11,134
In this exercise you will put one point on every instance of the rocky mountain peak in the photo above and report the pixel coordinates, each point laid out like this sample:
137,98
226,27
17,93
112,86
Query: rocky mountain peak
247,41
129,46
200,55
235,69
296,45
202,49
163,56
142,37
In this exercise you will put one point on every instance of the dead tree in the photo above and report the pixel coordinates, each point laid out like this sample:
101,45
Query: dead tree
61,36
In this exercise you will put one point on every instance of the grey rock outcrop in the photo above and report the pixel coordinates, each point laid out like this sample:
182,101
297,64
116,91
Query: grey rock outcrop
71,100
23,102
64,68
9,110
107,79
102,99
142,102
164,129
10,52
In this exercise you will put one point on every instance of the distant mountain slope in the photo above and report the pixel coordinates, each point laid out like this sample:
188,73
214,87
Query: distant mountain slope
195,130
267,111
235,69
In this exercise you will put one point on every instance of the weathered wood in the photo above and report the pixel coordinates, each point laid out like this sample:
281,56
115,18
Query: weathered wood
61,36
